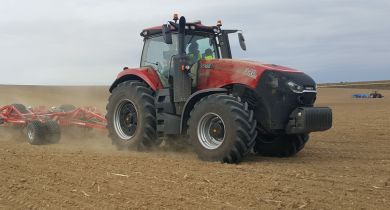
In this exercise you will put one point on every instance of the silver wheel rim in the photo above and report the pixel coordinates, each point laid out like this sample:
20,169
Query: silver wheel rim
124,118
211,131
30,134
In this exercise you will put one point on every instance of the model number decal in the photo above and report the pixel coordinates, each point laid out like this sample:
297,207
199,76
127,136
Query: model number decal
250,73
206,66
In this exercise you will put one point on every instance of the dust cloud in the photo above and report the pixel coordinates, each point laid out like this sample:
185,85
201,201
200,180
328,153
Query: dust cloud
72,138
54,96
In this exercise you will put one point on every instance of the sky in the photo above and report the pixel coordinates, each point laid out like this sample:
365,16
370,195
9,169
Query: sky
88,42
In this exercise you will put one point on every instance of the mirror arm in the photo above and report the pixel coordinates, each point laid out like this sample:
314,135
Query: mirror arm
173,24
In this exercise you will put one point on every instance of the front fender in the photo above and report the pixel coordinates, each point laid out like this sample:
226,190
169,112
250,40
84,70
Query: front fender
193,99
148,75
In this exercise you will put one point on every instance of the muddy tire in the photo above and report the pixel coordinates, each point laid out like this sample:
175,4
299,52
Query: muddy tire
222,128
131,116
53,132
281,145
35,132
67,108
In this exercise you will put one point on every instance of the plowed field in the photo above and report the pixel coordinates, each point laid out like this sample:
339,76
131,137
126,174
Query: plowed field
347,167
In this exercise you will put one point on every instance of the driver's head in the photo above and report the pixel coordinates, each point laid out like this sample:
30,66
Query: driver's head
208,52
193,48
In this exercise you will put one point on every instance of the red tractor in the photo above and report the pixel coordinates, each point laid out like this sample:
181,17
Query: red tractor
189,85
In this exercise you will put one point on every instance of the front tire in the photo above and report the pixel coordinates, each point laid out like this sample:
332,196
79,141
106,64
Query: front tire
222,128
282,145
131,116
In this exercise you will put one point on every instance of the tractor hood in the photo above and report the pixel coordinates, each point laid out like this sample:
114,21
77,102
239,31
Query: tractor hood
258,64
222,72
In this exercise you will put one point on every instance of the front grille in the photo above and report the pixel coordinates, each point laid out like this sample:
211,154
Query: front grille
277,100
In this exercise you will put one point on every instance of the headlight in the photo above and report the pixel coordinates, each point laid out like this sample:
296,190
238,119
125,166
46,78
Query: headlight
294,87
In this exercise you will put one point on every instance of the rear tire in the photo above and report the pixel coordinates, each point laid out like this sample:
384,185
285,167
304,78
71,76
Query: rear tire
222,128
131,116
281,145
35,131
53,132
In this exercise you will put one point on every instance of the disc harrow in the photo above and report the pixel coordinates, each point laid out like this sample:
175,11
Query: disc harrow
42,125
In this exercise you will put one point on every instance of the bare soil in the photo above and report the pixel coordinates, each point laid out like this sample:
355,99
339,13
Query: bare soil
347,167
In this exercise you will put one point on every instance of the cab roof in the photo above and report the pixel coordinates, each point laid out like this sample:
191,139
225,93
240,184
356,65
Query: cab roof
191,26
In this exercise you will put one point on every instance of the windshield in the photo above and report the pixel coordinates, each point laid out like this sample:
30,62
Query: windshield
201,47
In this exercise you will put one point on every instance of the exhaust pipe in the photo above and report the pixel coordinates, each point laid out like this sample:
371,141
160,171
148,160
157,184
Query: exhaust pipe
182,27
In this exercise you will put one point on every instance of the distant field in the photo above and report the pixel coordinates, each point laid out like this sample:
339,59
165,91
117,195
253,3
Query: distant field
375,85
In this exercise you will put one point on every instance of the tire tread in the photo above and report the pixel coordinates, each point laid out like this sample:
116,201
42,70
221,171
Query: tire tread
246,126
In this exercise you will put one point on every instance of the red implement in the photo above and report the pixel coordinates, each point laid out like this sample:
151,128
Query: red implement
84,116
40,124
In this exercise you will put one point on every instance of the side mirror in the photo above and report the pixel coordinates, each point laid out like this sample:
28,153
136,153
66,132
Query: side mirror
241,39
167,34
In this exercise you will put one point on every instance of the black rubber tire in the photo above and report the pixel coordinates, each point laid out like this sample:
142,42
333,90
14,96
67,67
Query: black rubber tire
240,128
67,108
37,130
281,145
142,97
21,108
53,132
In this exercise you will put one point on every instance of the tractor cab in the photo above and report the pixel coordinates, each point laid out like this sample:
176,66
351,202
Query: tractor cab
201,42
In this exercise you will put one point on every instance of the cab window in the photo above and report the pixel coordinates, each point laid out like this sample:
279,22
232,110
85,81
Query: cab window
158,55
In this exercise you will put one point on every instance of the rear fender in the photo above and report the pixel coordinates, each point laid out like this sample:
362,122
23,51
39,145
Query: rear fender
192,100
148,75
